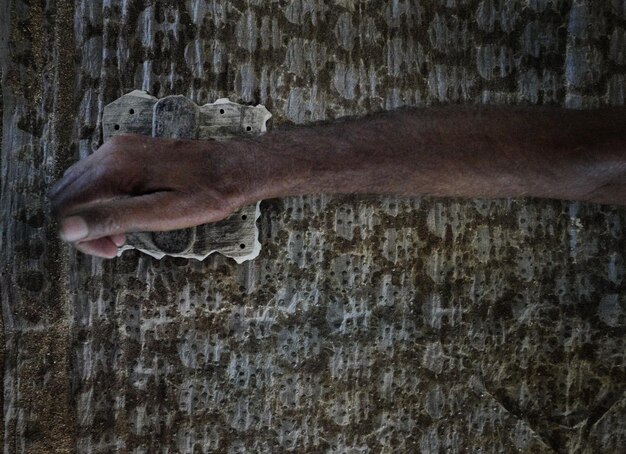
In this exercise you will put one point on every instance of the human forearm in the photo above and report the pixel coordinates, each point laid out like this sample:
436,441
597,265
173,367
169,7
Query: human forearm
449,151
136,183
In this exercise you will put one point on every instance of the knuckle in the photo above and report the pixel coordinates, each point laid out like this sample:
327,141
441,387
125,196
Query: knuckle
111,225
114,158
116,143
105,222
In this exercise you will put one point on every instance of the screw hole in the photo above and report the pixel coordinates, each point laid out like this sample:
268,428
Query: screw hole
248,128
131,111
244,217
222,111
242,246
117,127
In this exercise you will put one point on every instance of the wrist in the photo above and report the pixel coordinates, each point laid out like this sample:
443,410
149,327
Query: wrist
322,158
277,164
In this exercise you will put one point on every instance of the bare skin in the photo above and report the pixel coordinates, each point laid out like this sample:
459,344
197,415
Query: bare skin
137,183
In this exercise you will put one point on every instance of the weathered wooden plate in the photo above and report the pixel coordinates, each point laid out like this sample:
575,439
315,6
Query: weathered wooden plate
178,117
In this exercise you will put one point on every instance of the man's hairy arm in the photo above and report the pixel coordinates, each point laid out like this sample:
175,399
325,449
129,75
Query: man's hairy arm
136,183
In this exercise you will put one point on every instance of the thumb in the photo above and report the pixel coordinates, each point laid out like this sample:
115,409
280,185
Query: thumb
160,211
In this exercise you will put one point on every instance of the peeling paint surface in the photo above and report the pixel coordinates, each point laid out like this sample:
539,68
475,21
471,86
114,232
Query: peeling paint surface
367,324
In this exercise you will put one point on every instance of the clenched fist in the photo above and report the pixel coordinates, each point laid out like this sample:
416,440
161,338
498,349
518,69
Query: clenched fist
138,183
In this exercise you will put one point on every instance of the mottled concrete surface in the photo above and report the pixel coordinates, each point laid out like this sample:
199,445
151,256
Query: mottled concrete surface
367,324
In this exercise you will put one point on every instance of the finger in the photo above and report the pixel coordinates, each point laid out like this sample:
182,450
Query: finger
104,181
102,247
159,211
118,239
68,176
90,186
73,172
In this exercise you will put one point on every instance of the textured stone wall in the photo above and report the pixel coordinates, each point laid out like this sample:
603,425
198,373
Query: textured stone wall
367,324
